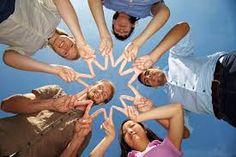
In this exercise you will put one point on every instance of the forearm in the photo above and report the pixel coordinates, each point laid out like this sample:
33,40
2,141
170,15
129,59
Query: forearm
26,63
69,16
159,19
166,124
170,39
98,15
163,112
73,147
22,104
101,148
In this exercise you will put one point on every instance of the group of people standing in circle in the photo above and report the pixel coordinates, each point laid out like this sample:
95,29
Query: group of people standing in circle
49,122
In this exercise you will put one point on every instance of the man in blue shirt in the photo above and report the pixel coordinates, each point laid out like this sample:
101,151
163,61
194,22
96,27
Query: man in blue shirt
127,12
202,85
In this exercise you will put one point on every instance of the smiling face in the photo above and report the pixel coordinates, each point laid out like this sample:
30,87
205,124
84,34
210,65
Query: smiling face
122,26
134,134
153,77
101,92
65,47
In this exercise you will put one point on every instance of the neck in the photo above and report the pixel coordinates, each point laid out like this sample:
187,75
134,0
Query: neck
142,145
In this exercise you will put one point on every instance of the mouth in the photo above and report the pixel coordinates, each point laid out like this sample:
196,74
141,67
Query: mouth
62,44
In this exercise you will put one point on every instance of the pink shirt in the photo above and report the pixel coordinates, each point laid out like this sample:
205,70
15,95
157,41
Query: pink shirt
158,149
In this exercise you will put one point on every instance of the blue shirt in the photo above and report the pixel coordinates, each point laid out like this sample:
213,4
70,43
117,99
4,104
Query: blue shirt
136,8
190,77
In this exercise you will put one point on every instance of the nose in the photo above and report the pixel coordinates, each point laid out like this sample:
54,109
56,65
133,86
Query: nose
130,131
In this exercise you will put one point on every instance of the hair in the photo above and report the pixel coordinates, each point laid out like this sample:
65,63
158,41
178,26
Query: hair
112,91
125,148
139,79
141,74
59,32
132,20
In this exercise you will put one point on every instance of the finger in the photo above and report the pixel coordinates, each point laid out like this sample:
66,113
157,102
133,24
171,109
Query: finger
120,109
96,113
111,115
88,108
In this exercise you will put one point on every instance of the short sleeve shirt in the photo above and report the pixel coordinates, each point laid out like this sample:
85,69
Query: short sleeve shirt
158,149
136,8
29,27
42,134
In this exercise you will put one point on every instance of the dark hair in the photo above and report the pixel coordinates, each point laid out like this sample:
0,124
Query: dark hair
139,79
132,20
125,148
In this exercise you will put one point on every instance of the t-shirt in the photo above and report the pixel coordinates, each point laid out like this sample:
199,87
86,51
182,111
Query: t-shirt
42,134
157,148
136,8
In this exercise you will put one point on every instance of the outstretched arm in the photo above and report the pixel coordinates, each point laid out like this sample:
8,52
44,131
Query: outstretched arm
109,129
82,128
174,113
28,103
170,39
161,15
68,14
18,61
98,15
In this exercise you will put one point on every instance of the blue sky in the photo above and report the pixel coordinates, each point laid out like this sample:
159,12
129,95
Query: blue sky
213,26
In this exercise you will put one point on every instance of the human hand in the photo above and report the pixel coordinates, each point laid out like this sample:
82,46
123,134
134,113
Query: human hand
84,125
86,52
65,72
131,50
129,111
67,103
106,46
143,104
143,62
108,126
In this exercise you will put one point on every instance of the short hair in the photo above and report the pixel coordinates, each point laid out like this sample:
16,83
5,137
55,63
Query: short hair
139,79
132,20
112,91
125,148
59,32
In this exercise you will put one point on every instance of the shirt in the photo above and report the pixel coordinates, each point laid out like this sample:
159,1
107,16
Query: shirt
136,8
42,134
29,27
158,149
190,77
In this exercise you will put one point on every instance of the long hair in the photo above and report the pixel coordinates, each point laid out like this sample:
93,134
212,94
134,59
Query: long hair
125,148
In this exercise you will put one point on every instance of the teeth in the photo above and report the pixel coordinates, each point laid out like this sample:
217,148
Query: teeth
62,43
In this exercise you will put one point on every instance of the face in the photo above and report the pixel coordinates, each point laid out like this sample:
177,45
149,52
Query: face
153,78
122,25
100,92
65,47
133,134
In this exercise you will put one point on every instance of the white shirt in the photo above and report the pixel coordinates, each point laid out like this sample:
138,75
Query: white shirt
190,77
30,26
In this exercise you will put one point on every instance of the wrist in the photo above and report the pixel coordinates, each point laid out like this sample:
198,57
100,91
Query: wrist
110,138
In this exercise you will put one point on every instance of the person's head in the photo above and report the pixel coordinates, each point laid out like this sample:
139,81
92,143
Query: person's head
64,45
153,77
123,25
101,92
132,134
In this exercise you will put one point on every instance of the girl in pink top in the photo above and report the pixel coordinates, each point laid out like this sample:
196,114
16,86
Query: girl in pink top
138,141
